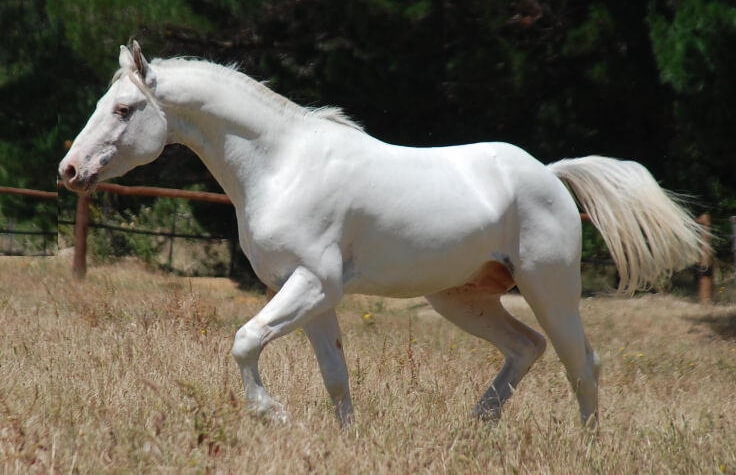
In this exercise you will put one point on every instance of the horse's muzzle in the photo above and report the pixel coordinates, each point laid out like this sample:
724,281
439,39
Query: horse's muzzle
77,181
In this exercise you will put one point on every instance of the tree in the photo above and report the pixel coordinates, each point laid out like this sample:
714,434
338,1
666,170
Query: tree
693,41
650,81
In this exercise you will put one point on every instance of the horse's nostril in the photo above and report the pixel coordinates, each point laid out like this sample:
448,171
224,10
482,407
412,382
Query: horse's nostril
70,172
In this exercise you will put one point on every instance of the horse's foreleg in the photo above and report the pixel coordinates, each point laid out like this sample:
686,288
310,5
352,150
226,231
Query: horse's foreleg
481,314
324,334
302,297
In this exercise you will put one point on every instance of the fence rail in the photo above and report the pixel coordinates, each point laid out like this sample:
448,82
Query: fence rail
44,195
150,191
157,192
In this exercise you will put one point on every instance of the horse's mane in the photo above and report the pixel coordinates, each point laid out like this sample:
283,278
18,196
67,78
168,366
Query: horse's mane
232,70
335,114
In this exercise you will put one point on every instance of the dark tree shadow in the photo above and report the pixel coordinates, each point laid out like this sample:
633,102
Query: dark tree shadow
722,325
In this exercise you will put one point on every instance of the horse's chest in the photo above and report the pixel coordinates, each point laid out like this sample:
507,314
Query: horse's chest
270,263
276,245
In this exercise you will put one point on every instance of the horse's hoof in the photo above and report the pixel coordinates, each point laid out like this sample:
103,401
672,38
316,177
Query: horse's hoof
272,412
490,416
278,415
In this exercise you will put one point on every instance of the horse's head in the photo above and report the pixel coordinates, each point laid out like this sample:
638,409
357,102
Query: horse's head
127,129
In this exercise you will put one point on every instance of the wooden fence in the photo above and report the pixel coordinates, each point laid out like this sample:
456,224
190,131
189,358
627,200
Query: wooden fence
82,224
81,220
45,235
43,195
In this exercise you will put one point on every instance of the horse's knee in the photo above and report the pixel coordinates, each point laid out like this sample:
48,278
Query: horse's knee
247,345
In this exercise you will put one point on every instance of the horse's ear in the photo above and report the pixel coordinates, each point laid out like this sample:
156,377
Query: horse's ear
126,58
141,64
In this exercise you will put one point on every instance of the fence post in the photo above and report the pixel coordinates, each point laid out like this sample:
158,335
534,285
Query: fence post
705,282
171,242
733,242
11,228
81,228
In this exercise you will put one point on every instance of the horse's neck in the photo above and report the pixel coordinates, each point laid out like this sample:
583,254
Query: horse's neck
229,121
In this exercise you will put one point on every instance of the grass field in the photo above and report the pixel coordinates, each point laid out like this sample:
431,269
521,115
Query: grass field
131,371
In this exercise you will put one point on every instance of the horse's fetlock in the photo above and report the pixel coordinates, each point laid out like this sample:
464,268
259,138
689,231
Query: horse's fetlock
597,365
336,388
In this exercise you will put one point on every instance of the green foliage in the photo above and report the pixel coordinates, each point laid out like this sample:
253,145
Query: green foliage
693,42
95,28
650,81
688,45
164,215
591,34
41,104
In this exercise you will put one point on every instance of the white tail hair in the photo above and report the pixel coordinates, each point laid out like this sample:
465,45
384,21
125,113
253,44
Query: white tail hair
648,232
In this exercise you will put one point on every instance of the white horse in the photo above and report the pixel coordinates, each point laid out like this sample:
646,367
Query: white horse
325,210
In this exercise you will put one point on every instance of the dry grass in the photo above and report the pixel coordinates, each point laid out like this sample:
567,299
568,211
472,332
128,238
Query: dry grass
130,372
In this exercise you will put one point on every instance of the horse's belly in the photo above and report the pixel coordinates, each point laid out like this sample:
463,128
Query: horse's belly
392,272
492,277
426,254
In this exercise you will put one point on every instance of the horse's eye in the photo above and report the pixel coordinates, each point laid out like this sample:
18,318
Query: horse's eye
123,111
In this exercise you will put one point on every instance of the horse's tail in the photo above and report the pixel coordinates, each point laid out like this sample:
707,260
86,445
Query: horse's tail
647,231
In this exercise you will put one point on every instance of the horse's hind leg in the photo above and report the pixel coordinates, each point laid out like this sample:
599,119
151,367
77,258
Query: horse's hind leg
553,292
481,314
